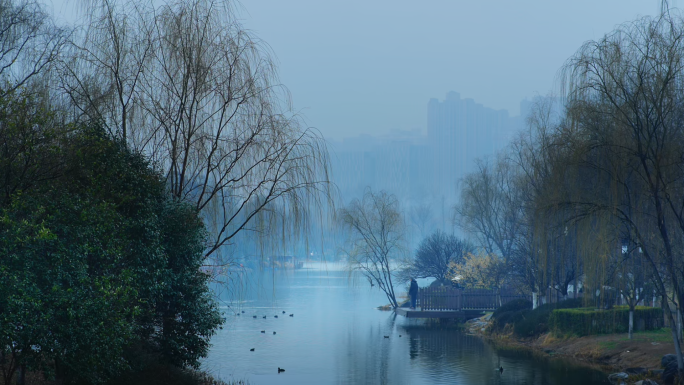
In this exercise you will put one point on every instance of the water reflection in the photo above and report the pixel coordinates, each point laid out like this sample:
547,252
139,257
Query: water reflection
337,337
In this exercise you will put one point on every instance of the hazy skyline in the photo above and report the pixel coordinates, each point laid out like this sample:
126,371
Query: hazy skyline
368,67
372,66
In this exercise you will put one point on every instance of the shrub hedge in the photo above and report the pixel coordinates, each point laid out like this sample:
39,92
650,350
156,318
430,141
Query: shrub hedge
527,322
587,321
511,306
535,322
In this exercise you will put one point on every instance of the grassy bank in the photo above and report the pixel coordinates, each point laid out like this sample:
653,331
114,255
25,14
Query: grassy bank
518,326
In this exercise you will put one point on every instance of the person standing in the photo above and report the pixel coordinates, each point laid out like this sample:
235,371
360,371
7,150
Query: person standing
413,292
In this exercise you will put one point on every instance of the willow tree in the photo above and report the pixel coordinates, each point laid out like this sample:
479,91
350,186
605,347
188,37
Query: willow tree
30,43
625,94
552,241
186,84
489,210
376,238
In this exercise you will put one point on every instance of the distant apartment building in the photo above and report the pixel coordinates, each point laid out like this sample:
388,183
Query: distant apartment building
396,164
460,131
418,167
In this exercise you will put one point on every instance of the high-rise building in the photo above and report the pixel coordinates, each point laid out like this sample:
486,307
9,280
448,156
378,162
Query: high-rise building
420,168
460,131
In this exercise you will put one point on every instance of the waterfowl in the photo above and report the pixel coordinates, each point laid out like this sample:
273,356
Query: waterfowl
386,336
251,350
280,370
243,311
263,331
264,317
291,315
399,335
254,316
275,316
273,332
283,311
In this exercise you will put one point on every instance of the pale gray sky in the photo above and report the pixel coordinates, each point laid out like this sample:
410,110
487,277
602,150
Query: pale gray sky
369,66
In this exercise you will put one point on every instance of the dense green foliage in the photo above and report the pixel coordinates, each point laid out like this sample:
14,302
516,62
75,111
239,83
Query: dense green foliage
535,322
586,321
512,306
101,251
527,322
98,260
510,313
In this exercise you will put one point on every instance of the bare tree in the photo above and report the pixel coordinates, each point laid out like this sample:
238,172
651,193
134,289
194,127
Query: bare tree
421,218
106,62
533,156
490,210
187,85
435,255
376,238
30,43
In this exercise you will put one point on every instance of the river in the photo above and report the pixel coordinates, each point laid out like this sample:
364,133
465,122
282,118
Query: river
336,336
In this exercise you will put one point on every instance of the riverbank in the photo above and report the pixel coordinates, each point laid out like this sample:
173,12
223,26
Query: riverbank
152,375
611,352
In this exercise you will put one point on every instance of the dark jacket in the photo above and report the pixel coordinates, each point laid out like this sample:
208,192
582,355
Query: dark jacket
413,290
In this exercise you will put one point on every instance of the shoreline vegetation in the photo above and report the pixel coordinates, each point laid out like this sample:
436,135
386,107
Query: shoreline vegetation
152,374
120,201
609,353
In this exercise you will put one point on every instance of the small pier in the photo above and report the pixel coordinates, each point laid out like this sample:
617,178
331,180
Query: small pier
447,302
419,313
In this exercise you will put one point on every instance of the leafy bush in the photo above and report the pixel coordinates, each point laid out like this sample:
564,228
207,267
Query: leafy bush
513,306
535,322
509,313
99,258
588,321
527,322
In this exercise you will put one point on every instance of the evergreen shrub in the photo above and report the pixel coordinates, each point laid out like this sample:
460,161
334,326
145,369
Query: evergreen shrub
527,322
513,306
534,322
588,321
509,313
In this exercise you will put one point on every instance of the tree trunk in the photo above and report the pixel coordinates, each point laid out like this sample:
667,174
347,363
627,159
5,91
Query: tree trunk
631,322
679,322
675,334
21,377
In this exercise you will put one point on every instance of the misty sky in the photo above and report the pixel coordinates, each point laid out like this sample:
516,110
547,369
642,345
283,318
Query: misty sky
372,65
369,66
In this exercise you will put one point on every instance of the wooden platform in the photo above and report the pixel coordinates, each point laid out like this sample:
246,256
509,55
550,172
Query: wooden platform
418,313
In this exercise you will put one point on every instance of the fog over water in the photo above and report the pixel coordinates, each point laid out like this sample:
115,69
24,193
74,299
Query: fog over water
234,189
336,336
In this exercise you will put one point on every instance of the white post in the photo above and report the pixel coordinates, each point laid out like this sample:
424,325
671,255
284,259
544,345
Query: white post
534,300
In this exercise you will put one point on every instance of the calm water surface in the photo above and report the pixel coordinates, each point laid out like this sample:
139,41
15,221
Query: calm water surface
336,336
